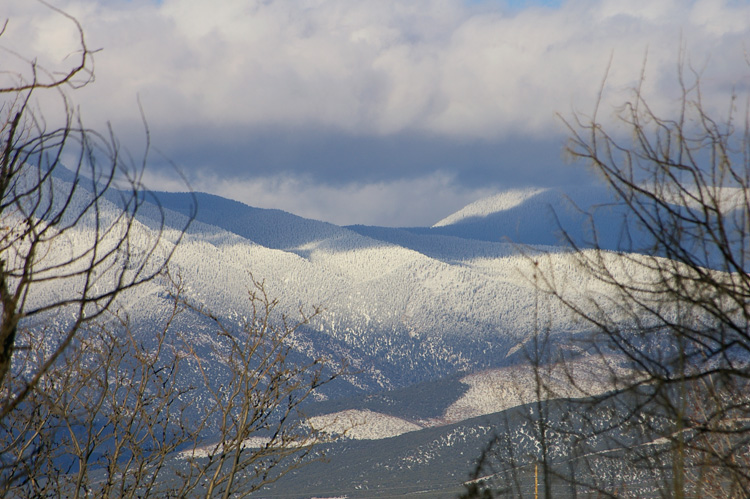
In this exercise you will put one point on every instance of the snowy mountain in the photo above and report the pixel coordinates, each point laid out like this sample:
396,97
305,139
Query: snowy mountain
548,216
401,305
433,320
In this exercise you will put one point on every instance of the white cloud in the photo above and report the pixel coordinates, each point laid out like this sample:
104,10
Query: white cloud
380,66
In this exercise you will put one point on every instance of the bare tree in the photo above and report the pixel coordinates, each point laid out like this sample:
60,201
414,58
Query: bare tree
257,409
87,405
70,246
676,311
103,420
115,418
670,317
68,204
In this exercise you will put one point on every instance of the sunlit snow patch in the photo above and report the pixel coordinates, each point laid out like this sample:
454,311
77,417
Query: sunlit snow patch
362,425
217,448
496,390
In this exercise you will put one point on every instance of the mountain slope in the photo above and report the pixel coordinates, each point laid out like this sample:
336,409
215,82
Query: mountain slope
402,305
270,228
440,316
536,217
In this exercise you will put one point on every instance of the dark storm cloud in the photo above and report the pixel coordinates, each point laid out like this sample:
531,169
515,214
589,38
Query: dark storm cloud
335,158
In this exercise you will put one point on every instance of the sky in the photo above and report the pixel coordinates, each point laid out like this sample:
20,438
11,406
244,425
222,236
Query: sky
378,112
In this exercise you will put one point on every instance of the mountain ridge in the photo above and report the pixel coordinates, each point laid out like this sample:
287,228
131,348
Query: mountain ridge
403,305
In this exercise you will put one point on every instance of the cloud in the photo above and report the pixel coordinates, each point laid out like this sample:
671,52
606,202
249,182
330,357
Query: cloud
382,66
379,91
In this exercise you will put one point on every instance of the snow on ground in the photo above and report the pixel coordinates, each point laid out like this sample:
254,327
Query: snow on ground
362,424
216,448
496,390
491,391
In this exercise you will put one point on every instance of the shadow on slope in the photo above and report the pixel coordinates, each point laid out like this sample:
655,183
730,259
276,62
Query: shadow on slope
425,400
494,227
541,217
440,247
436,462
274,229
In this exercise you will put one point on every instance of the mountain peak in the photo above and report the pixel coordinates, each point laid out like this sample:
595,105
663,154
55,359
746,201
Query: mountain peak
490,205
